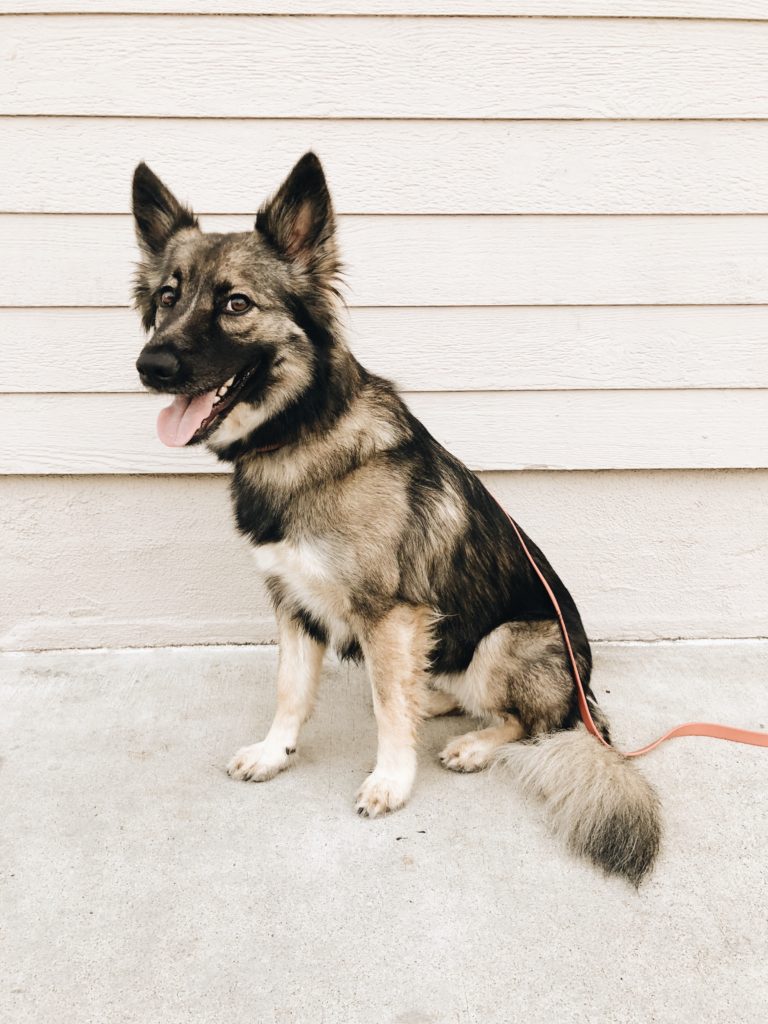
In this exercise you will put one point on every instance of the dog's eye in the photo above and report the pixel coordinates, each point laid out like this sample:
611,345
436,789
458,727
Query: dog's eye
167,296
238,304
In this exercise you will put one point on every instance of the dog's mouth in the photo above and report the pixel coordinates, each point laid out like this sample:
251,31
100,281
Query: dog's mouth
188,420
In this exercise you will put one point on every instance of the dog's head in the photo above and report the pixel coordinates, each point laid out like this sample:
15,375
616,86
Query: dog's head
241,323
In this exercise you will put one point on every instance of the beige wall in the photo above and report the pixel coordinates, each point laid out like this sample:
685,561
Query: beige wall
557,243
126,561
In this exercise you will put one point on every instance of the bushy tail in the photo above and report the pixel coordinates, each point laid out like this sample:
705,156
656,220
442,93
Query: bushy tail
596,798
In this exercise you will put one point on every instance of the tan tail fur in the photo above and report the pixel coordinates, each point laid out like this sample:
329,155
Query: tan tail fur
596,799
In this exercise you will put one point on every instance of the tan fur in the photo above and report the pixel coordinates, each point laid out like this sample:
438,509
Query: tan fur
397,654
437,704
298,675
519,664
291,378
360,431
597,800
475,750
351,523
307,573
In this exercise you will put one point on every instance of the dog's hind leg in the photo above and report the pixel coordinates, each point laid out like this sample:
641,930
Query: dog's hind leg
437,703
519,677
474,750
298,675
396,651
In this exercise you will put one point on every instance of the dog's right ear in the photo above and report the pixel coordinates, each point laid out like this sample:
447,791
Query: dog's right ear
158,215
157,212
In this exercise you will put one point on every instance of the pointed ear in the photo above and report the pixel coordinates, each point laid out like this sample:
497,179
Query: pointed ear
157,212
299,219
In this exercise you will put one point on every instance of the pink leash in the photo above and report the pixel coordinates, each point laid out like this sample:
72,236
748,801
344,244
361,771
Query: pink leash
717,732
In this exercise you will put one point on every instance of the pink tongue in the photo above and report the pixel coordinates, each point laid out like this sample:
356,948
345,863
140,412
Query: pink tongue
178,422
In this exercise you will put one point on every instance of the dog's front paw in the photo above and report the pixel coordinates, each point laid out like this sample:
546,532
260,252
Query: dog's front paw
259,762
380,794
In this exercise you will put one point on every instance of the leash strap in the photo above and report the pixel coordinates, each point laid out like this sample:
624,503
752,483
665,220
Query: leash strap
717,732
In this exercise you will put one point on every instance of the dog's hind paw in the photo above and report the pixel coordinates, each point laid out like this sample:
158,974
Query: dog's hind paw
259,762
476,750
468,753
380,794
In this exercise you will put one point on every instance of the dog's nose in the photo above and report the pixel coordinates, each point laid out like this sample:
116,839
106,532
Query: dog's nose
158,366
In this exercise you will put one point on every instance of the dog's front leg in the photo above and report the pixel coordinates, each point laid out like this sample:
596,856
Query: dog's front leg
298,675
396,649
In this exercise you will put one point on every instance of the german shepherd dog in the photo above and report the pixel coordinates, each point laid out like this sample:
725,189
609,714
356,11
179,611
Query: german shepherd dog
369,535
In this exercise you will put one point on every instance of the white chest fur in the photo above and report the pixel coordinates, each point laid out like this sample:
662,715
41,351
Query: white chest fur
309,579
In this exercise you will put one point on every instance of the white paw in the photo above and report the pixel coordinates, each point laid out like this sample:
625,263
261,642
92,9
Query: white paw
259,762
381,793
469,753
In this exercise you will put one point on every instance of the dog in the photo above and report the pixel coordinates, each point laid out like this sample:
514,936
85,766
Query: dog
371,538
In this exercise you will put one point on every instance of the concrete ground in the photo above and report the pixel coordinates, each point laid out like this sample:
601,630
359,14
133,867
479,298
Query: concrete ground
142,886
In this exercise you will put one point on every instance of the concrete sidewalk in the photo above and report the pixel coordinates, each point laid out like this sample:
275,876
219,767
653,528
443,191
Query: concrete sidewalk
142,886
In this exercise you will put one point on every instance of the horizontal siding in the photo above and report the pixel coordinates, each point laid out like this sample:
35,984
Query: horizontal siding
385,167
438,349
393,261
526,219
519,8
384,67
646,555
487,430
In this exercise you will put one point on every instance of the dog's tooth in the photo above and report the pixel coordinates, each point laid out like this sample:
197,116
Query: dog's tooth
222,389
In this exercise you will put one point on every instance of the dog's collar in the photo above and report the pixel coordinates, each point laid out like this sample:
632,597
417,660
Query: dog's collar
267,448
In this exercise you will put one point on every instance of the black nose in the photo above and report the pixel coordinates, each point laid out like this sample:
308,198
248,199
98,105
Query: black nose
158,366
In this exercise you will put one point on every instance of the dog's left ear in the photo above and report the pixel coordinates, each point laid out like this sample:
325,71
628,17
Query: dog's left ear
299,220
157,211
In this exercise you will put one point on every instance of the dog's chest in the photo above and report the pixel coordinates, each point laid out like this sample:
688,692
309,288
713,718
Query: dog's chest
306,575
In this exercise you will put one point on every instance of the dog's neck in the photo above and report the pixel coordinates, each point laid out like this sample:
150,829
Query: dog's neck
266,448
335,379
